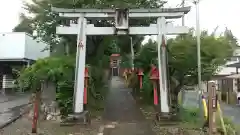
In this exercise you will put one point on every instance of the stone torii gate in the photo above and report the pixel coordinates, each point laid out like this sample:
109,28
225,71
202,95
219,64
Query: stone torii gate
121,17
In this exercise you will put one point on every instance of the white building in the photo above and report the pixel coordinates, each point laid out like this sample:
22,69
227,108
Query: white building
228,82
19,46
18,49
224,70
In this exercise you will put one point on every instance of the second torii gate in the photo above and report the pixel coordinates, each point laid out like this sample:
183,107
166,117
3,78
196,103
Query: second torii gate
121,16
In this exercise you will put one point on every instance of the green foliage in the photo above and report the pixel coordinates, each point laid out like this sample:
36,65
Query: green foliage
51,68
64,96
147,55
147,90
183,59
60,71
125,61
231,128
231,38
146,93
190,115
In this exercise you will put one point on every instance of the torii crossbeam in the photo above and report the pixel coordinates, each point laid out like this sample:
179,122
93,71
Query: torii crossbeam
121,17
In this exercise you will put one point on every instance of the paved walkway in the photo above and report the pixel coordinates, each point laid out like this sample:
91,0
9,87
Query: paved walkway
10,107
122,113
230,111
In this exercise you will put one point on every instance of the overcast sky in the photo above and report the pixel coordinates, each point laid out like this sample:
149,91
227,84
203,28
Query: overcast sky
213,13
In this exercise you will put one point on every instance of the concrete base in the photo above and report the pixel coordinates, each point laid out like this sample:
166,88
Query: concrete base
77,119
165,115
7,91
166,119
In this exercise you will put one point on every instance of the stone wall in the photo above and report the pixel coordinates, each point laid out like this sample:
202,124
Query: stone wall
48,108
106,75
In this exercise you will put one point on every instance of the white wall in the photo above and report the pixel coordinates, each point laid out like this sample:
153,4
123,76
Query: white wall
223,70
35,49
12,45
236,52
19,45
226,71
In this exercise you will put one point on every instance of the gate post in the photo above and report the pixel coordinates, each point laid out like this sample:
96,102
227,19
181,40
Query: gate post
162,64
80,65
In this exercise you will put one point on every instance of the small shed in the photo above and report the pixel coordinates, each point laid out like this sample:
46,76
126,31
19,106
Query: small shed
115,60
235,77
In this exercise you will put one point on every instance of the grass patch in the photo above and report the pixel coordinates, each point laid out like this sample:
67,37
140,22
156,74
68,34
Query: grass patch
190,118
231,128
96,107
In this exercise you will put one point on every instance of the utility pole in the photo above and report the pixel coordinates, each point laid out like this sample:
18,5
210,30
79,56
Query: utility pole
132,52
198,34
198,46
183,24
183,18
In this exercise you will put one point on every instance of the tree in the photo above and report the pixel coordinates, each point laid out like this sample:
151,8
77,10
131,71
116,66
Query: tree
183,58
24,25
146,55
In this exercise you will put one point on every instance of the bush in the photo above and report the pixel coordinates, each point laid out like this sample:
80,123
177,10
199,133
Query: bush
190,115
60,70
147,89
229,125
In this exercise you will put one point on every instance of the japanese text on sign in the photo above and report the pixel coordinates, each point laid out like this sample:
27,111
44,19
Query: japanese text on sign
80,45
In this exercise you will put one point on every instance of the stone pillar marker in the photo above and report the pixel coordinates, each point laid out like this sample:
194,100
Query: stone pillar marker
212,108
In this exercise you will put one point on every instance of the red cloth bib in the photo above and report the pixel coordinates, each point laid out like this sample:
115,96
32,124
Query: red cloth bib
154,72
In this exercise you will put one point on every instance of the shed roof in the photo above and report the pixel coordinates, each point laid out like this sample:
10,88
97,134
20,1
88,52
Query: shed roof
234,76
115,55
237,65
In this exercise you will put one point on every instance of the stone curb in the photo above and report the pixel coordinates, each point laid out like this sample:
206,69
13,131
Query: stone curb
14,118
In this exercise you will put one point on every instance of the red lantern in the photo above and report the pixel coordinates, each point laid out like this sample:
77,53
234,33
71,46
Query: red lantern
140,75
154,76
154,73
85,85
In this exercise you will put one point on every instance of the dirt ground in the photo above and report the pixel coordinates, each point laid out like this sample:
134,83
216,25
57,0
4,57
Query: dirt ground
172,129
23,127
